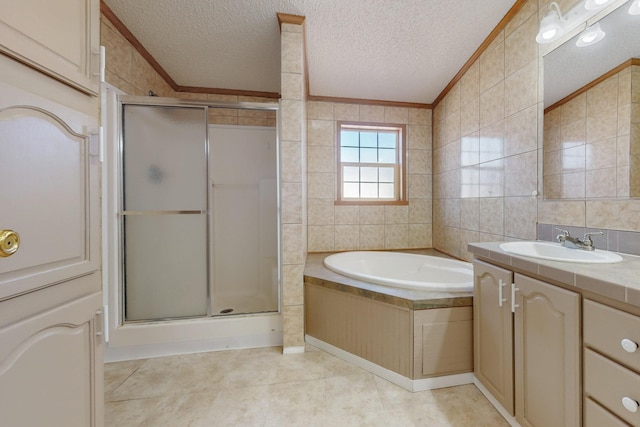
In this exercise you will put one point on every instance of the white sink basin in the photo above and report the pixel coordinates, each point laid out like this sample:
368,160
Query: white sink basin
556,252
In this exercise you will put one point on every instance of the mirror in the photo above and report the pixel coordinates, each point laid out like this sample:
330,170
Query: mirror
569,67
587,131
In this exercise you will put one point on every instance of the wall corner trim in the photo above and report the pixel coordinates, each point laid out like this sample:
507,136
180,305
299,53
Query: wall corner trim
287,18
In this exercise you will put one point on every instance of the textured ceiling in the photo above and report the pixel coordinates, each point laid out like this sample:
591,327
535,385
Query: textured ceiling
391,50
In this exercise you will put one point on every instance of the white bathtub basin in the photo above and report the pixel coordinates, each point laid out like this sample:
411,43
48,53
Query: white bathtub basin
404,270
557,252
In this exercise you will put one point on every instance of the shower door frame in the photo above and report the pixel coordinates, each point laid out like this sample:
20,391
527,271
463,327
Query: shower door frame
153,101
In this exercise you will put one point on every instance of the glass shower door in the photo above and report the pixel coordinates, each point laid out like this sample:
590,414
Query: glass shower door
164,212
244,220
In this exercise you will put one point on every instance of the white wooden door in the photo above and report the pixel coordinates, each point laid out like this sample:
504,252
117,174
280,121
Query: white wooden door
49,188
50,288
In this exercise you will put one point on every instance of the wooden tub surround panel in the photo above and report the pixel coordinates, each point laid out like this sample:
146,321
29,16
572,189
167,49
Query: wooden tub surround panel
376,331
416,344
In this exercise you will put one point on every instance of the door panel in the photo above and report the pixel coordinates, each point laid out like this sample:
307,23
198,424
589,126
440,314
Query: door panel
48,178
165,158
164,211
493,332
547,354
165,270
50,366
244,217
63,43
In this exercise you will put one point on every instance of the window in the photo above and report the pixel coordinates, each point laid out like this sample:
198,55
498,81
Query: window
371,163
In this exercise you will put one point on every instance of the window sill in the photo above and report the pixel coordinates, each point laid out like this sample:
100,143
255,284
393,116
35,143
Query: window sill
371,203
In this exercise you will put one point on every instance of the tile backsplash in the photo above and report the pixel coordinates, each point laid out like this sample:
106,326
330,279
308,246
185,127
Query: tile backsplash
627,242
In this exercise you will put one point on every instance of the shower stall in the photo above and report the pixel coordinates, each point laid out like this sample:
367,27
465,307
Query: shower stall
198,214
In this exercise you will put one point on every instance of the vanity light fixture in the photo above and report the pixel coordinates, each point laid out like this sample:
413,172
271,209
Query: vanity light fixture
596,4
590,35
551,26
634,9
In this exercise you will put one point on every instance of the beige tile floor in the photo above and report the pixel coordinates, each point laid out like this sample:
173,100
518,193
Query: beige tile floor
262,387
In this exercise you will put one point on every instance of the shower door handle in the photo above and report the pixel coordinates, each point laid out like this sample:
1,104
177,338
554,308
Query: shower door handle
195,212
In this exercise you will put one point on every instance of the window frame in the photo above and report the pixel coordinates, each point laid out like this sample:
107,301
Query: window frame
400,174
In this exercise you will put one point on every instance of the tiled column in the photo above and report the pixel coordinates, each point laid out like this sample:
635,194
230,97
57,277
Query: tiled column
292,180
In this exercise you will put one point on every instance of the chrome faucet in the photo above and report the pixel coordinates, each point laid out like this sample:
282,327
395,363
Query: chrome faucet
566,240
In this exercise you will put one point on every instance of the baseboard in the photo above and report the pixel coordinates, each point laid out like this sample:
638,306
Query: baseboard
293,350
443,381
506,415
394,377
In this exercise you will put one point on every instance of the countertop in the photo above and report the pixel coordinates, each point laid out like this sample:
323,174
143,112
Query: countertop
316,273
618,281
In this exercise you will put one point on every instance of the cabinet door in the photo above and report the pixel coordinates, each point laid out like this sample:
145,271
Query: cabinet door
547,354
493,331
51,368
59,38
49,186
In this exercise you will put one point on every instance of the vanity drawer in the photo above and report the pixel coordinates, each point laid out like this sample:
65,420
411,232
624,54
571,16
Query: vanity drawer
604,330
608,383
596,416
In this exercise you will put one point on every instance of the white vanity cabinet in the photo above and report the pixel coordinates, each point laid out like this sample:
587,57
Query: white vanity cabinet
611,365
527,346
60,38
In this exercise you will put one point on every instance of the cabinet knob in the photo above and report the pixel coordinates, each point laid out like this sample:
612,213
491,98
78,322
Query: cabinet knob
628,345
630,404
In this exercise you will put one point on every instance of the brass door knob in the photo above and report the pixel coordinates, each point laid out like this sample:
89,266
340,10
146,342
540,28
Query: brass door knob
9,242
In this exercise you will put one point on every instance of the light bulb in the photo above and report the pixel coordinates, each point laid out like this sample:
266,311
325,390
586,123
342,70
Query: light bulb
551,27
591,35
596,4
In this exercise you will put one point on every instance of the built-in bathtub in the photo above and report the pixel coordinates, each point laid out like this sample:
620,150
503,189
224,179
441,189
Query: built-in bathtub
404,270
417,338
